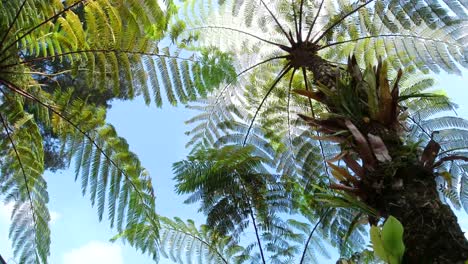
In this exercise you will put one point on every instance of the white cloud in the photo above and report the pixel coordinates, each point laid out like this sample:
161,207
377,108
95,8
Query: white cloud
54,216
94,252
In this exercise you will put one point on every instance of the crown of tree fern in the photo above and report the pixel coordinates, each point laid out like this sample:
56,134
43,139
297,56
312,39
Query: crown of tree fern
302,45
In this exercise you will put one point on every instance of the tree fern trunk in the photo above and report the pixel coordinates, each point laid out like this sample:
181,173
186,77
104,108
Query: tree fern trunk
324,72
431,231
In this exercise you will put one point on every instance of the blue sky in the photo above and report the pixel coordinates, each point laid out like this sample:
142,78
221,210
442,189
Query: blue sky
157,136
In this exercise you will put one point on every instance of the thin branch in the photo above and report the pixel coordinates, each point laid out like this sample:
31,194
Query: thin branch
12,24
239,31
341,19
39,25
311,234
280,75
17,90
315,20
390,35
291,41
96,51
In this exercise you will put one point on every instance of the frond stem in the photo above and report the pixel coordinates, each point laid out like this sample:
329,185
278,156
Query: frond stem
220,94
389,36
257,235
96,51
246,70
280,75
17,90
12,24
239,31
322,152
39,25
37,73
300,21
340,20
311,234
298,34
23,171
450,150
420,127
304,74
288,109
291,41
315,20
201,241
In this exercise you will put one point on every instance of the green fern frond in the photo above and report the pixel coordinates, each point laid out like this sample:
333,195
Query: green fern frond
109,46
23,185
183,242
101,157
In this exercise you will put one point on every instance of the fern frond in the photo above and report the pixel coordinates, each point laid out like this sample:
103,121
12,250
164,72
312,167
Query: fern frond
23,185
202,244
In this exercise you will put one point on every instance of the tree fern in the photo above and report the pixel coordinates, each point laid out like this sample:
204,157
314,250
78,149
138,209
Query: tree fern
303,154
110,47
71,33
395,30
419,33
233,18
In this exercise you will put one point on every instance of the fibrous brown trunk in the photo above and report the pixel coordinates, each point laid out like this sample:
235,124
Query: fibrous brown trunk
431,231
305,56
324,72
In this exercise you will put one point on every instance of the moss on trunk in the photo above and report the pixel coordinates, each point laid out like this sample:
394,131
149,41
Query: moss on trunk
393,176
432,233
